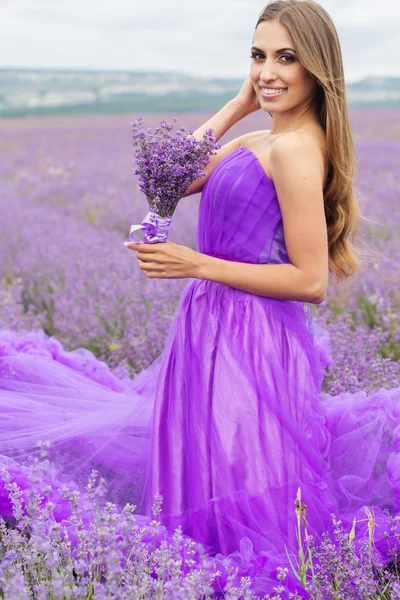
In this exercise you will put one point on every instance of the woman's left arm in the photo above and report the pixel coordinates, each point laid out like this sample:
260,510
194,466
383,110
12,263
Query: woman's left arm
297,172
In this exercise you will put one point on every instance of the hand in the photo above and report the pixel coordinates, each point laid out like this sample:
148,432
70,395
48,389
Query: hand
247,97
166,259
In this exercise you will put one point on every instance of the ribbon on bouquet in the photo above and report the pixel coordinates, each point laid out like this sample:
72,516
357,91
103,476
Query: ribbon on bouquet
155,229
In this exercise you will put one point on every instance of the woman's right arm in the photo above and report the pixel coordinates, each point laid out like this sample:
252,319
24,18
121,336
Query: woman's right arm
240,106
221,122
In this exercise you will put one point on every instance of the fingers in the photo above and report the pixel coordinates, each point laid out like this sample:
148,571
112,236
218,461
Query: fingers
145,247
145,264
151,270
145,253
149,263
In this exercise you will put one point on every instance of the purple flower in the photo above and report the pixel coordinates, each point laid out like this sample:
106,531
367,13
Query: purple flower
166,166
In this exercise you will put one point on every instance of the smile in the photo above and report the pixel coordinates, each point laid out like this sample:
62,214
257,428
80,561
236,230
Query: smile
268,92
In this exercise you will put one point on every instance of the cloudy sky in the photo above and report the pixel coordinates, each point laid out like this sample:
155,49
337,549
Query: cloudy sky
203,37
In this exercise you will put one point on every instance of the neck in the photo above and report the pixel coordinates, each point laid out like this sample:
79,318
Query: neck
291,120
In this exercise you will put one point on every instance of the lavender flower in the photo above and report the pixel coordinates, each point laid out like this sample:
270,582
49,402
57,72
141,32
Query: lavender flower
167,165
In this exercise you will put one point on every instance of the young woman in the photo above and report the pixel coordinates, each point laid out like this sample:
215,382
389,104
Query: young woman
229,422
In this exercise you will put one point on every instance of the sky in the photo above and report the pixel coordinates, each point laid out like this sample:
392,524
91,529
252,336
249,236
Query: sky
204,38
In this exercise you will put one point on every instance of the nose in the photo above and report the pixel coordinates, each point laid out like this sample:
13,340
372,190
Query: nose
268,71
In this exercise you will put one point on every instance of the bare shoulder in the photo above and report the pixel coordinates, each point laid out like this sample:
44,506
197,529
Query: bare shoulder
249,139
299,152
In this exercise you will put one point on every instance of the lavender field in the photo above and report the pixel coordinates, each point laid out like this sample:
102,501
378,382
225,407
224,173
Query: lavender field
68,197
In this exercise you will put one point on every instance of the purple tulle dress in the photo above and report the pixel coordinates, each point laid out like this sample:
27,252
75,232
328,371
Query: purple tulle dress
228,422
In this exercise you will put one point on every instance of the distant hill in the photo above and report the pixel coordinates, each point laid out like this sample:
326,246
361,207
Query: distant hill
25,92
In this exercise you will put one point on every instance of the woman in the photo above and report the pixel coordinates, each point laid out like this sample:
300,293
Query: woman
229,421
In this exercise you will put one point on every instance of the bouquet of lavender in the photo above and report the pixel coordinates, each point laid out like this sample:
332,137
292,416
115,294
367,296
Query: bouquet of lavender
166,165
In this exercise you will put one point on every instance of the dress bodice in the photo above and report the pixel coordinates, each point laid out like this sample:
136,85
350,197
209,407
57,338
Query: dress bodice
239,213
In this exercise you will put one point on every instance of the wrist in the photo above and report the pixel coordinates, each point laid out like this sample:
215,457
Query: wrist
239,109
200,265
209,267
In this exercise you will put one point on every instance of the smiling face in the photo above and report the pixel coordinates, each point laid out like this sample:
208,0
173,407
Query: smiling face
274,64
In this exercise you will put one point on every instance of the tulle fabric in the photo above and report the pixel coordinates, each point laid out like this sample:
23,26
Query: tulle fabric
71,399
227,423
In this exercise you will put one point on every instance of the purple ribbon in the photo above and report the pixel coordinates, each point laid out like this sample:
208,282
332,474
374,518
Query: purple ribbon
155,229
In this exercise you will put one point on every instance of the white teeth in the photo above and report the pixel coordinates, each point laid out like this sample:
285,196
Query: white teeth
272,92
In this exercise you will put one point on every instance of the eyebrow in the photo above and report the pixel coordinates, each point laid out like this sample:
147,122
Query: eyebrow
276,51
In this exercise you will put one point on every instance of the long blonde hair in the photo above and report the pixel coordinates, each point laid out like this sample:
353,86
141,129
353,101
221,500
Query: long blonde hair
318,50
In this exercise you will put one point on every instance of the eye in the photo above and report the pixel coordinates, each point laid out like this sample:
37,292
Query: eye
289,56
255,54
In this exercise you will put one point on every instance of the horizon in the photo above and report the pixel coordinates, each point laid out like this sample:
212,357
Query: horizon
168,72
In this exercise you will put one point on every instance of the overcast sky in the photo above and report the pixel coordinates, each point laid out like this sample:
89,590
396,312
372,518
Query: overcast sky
202,37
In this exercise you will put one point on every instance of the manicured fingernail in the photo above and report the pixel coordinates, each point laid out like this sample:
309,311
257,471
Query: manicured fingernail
126,243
